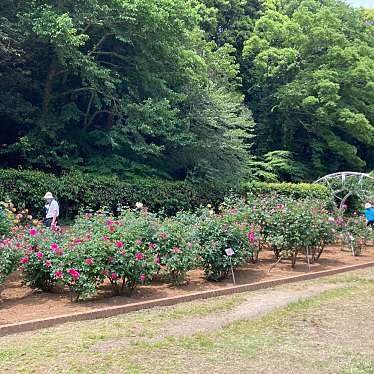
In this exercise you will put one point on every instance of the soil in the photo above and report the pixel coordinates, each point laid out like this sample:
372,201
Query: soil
20,303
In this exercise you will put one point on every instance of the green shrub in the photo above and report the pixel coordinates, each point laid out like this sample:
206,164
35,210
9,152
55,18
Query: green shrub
10,255
5,223
42,256
175,247
216,234
294,190
76,191
354,232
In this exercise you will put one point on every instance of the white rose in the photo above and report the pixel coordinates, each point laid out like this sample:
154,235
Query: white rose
139,205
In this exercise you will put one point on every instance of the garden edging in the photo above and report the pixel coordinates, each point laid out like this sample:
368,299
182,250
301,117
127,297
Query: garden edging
122,309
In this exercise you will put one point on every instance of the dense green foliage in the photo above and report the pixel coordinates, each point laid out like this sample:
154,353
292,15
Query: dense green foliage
167,88
76,191
310,82
124,87
294,190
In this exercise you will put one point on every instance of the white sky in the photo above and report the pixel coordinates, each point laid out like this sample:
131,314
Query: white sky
364,3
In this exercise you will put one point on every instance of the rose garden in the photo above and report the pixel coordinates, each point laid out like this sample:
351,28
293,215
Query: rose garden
135,247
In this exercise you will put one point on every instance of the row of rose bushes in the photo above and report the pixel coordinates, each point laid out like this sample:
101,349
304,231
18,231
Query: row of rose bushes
138,246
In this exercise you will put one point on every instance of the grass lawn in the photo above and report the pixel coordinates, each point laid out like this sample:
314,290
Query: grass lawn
322,326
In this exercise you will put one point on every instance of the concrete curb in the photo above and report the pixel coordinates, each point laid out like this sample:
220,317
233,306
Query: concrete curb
121,309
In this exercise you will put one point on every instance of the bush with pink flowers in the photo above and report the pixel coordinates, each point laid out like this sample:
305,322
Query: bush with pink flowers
42,255
176,250
134,246
218,233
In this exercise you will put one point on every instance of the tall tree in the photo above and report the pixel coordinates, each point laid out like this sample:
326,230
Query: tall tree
310,78
110,82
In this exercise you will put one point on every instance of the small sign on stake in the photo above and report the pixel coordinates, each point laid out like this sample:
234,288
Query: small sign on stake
230,252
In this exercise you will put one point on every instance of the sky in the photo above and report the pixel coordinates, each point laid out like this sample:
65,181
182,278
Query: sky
365,3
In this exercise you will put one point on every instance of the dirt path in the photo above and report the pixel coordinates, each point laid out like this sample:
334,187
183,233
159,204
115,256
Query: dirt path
255,304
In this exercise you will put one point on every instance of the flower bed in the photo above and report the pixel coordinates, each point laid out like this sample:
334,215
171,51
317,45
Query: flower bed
21,303
137,247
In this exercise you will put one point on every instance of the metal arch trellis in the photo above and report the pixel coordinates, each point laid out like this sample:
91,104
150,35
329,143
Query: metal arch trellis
349,183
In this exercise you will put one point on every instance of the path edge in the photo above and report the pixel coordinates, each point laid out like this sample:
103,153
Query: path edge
33,325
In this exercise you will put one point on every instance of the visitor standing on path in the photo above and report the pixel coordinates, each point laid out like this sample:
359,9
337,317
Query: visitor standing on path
369,214
52,210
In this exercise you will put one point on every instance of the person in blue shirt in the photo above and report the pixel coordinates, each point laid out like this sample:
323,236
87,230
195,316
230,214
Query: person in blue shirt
369,214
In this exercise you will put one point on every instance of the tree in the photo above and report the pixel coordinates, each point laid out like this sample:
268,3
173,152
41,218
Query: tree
310,77
110,84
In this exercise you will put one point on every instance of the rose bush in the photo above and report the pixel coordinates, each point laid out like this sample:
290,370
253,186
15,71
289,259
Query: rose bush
216,233
176,250
42,255
354,233
10,254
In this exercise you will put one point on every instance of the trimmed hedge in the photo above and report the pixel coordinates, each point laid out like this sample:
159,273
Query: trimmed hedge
294,190
76,191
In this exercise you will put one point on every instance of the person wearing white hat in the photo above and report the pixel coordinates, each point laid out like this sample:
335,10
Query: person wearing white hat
52,210
369,214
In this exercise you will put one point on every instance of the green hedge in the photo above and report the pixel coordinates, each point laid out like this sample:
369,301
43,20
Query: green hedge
76,191
294,190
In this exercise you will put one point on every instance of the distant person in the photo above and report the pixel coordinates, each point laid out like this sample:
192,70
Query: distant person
52,210
369,214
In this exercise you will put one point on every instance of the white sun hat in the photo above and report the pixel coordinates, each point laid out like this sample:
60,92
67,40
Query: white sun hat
367,206
48,195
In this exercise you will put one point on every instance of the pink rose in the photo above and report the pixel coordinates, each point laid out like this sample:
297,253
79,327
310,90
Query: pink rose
109,222
39,254
119,244
24,260
74,273
58,273
111,229
139,256
139,242
142,277
77,241
48,264
152,245
104,238
176,250
163,235
123,253
157,259
54,247
88,261
114,276
33,232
